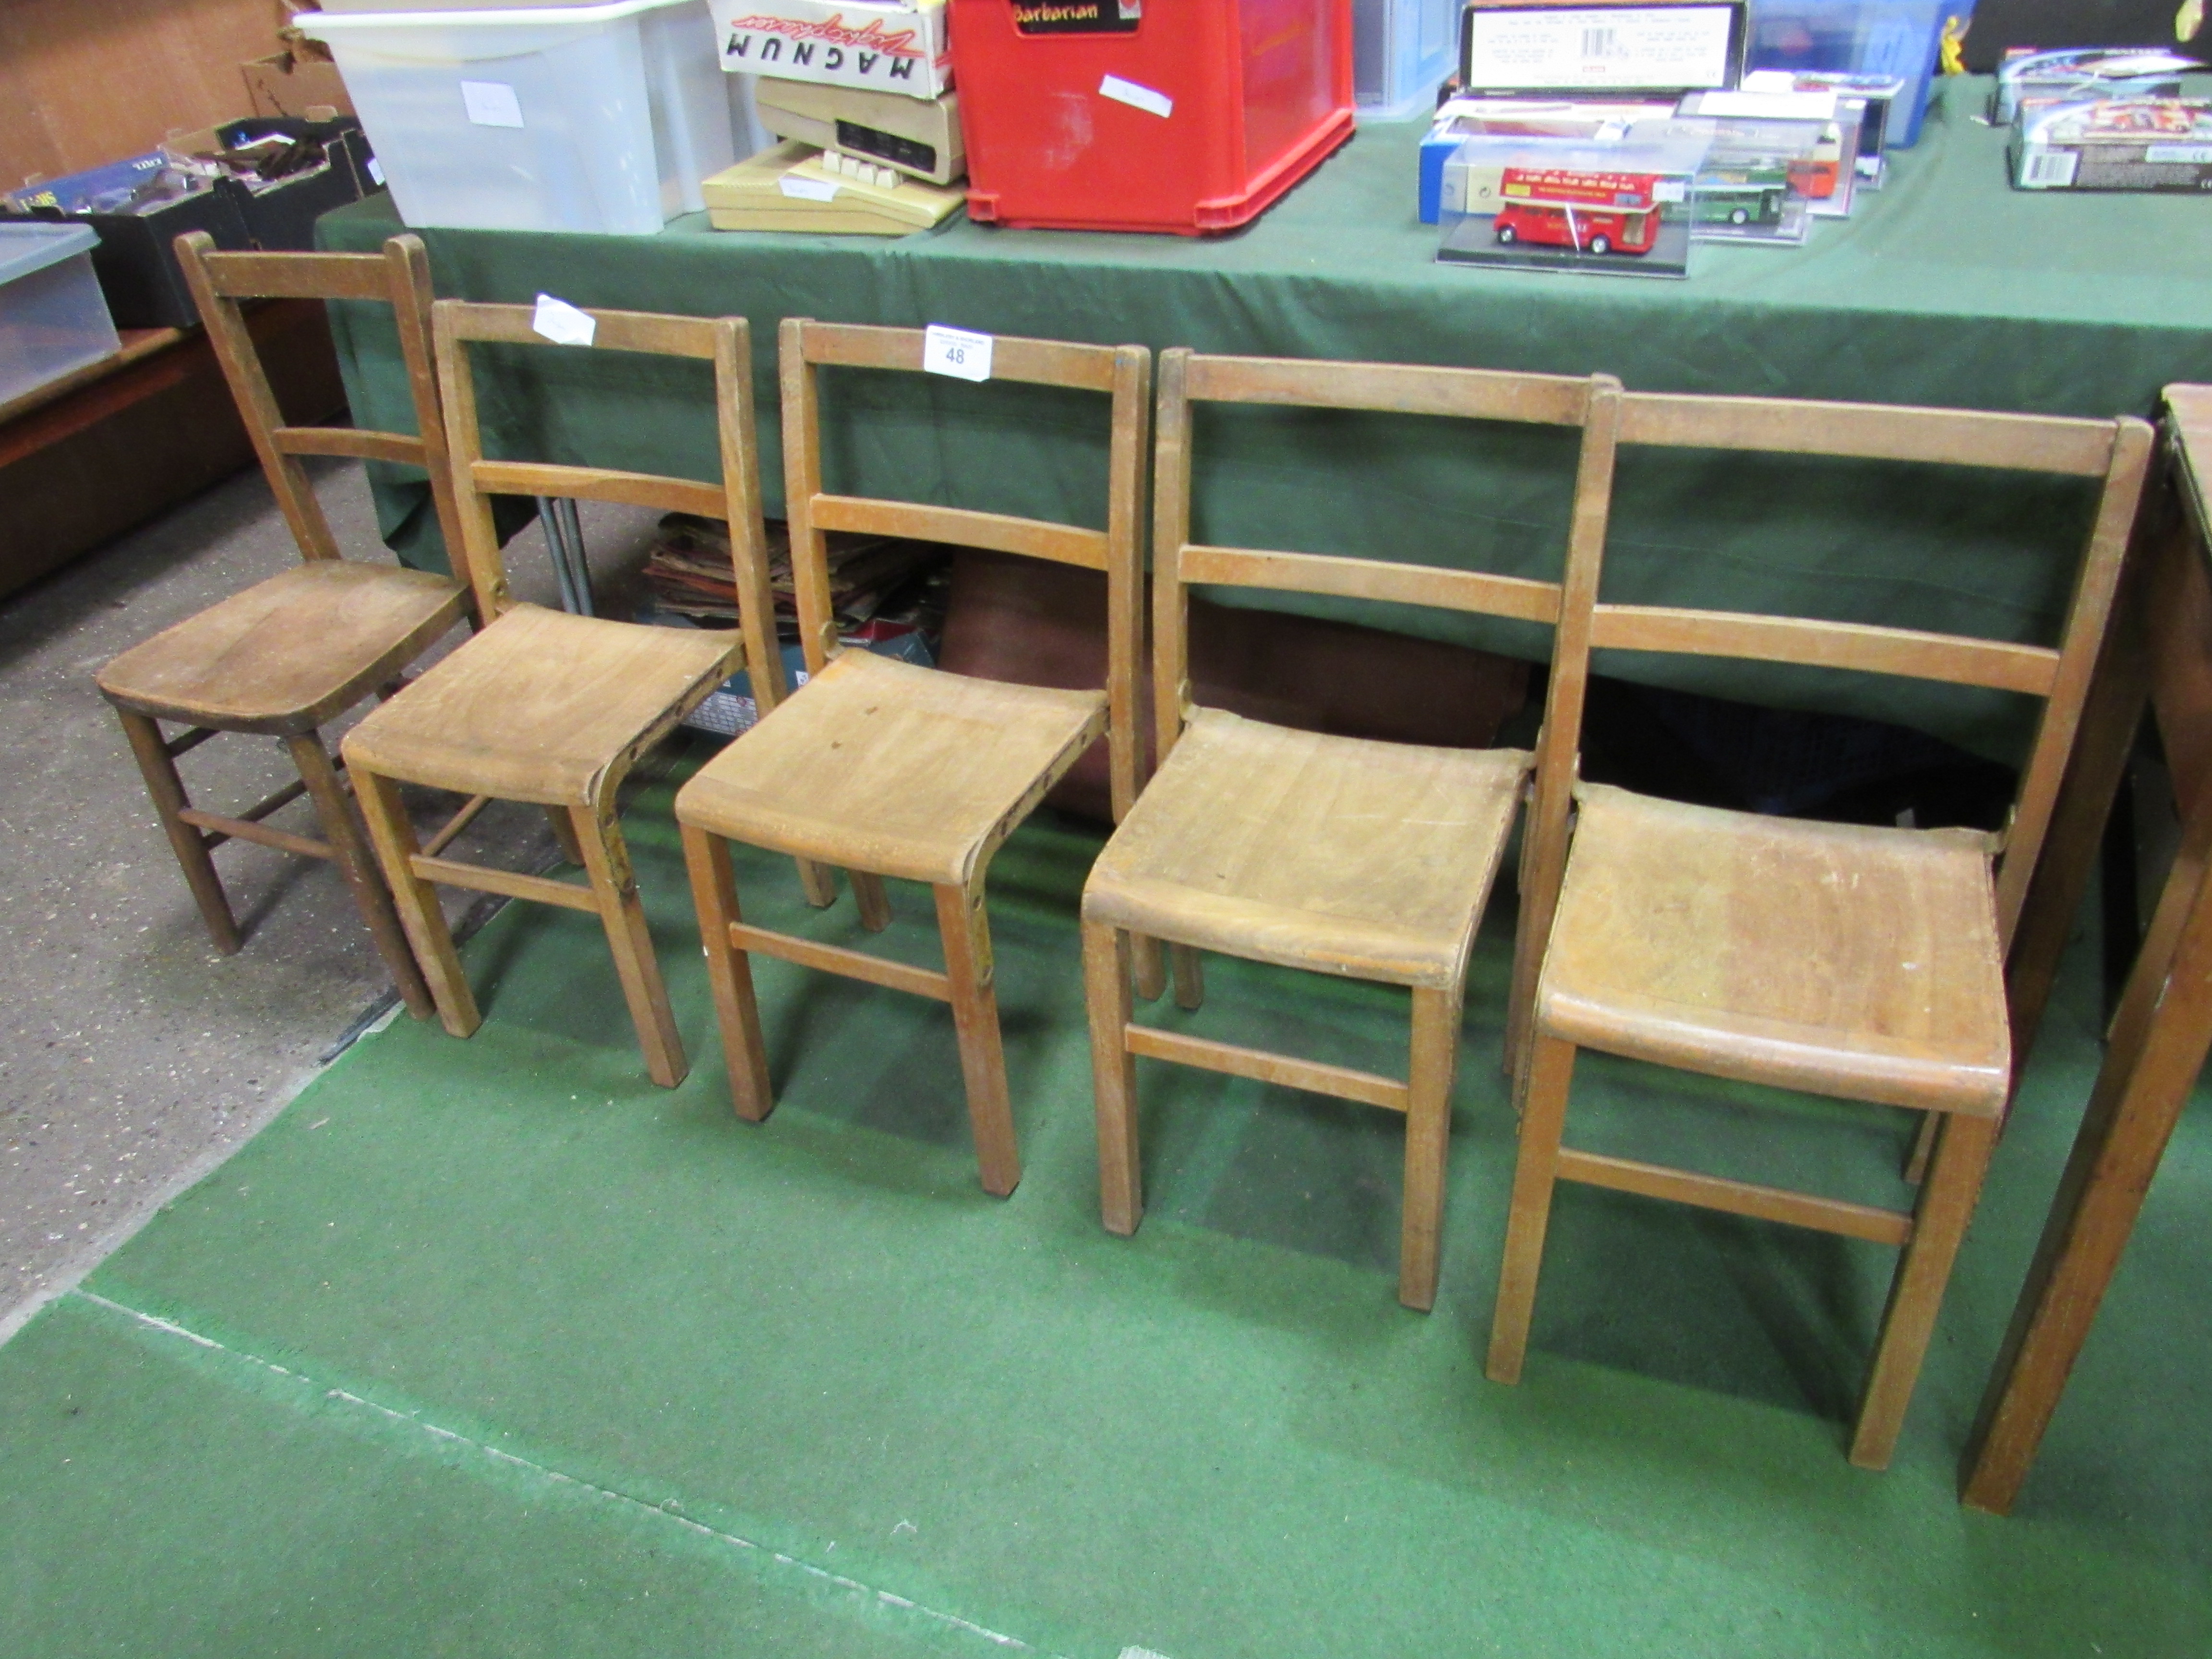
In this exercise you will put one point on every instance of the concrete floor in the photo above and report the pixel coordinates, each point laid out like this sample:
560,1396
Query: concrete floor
134,1058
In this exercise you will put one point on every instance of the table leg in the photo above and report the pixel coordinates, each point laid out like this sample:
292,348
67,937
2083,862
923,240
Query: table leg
2157,1046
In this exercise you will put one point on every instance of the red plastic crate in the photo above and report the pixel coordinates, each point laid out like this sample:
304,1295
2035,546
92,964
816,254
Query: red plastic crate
1258,91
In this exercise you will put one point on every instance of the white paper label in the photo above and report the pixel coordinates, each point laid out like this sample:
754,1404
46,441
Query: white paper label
1669,190
957,352
2189,155
375,171
1769,105
491,103
1136,96
805,189
1617,47
561,323
1770,81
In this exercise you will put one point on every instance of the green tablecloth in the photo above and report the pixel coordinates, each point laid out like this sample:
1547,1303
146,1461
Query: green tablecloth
1946,288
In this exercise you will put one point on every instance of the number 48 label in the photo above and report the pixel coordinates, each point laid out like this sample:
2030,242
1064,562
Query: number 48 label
957,352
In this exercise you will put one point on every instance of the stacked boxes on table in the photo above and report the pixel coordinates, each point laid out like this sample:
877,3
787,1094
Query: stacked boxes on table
861,95
2107,120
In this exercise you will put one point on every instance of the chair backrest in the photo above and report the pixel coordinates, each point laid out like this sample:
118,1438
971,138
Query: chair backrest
399,277
1475,394
2115,451
724,342
1123,372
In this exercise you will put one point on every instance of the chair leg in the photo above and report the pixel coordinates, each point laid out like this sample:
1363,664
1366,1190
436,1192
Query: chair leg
158,767
1189,977
564,832
818,882
606,861
1428,1142
417,900
1106,954
868,894
1939,1225
729,970
1149,963
358,865
1543,1119
967,934
1924,1148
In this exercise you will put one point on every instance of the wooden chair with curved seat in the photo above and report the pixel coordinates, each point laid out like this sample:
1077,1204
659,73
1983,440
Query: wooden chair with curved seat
1338,855
1864,962
289,654
886,768
552,709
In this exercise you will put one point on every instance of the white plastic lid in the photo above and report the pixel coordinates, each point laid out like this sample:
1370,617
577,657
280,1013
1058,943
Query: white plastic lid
25,247
322,25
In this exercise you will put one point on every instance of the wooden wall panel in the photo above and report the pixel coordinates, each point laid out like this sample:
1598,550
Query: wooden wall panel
84,82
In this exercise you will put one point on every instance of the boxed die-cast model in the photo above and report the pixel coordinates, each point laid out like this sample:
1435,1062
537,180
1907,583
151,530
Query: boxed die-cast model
1590,212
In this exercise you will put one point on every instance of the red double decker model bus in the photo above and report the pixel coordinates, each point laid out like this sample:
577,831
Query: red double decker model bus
1589,212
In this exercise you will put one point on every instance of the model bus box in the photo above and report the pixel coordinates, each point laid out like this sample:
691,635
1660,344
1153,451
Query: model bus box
1759,178
840,43
919,137
1571,120
1618,209
2083,74
1880,93
2116,143
1842,118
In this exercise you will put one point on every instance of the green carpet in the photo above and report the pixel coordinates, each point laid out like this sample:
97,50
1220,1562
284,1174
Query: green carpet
492,1347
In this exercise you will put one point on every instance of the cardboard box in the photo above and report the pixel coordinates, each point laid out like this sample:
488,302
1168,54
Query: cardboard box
291,83
790,188
840,43
2120,143
281,216
919,137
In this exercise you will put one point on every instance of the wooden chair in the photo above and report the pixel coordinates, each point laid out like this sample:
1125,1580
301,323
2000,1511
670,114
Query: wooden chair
290,654
552,708
1339,855
1864,963
890,770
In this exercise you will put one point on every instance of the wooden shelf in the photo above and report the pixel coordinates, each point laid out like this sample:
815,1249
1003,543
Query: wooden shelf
122,440
138,343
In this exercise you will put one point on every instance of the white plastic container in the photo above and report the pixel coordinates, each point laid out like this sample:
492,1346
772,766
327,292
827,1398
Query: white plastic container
53,320
601,118
1401,51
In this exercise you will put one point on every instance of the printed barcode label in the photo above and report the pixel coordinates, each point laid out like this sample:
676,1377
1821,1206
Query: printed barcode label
1599,43
2049,168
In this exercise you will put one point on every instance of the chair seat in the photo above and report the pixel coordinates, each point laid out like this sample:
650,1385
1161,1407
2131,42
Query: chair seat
886,767
542,706
1340,854
289,654
1836,959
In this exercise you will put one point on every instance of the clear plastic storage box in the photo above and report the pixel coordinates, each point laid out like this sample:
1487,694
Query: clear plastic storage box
1401,51
52,318
601,118
1860,36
